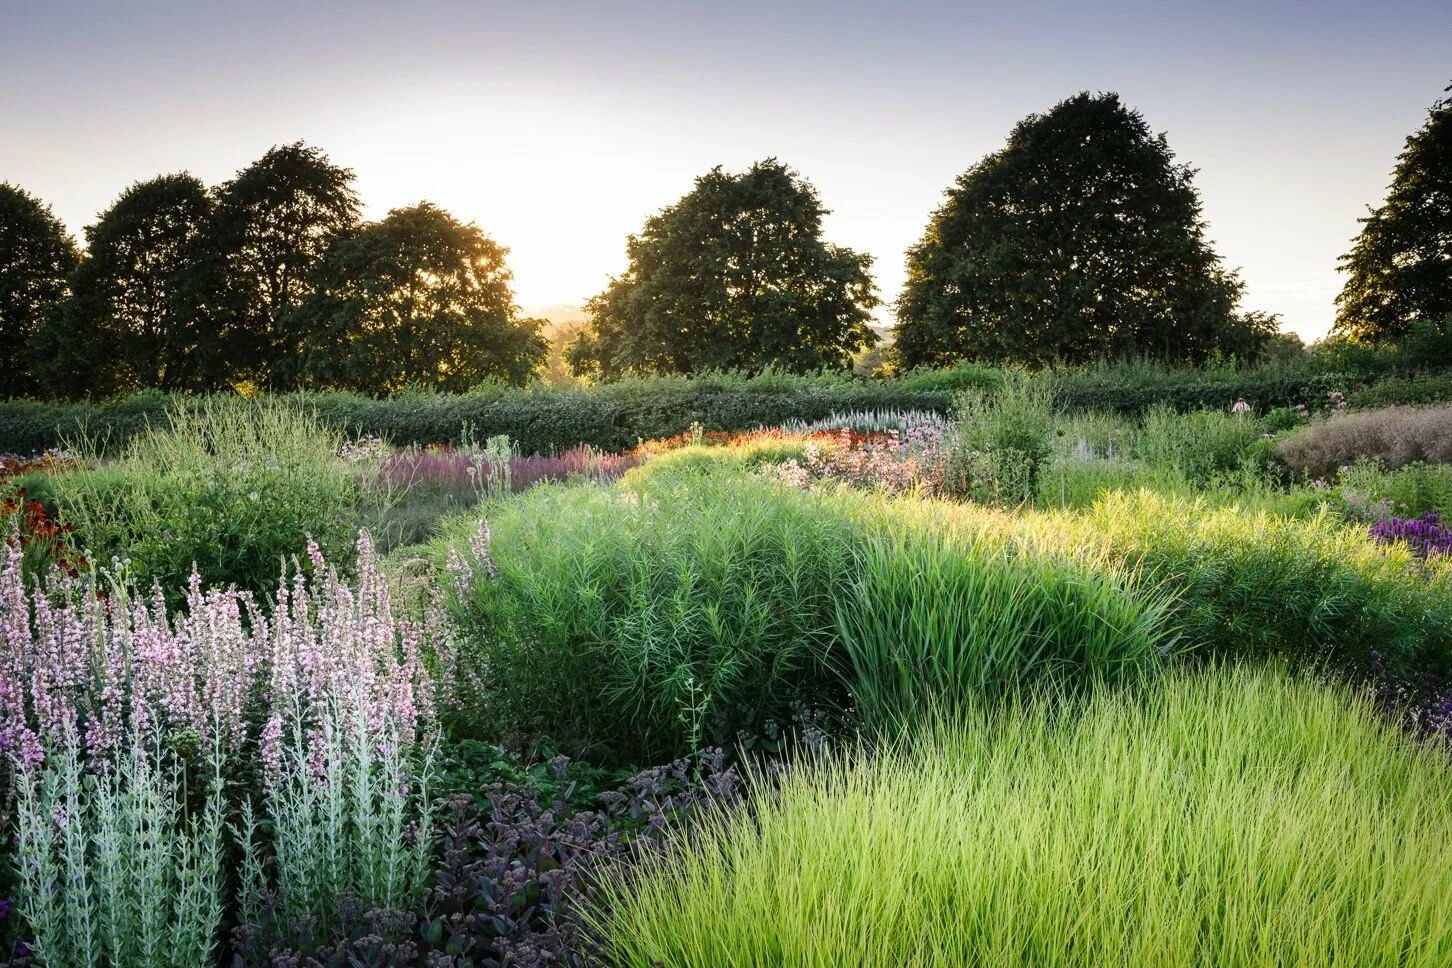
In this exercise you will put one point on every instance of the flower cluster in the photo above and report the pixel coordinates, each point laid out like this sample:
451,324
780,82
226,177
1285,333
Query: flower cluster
43,541
763,436
93,658
461,472
893,462
363,450
335,650
1426,535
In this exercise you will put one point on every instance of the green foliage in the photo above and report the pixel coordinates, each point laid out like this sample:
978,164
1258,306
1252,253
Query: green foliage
111,867
1002,441
349,819
1201,445
418,299
144,301
615,416
232,490
1407,492
735,275
1426,388
1252,584
646,622
1397,267
932,623
1080,240
1240,818
275,220
36,256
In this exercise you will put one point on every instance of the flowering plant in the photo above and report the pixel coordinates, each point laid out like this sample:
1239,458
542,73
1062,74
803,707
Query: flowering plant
1426,535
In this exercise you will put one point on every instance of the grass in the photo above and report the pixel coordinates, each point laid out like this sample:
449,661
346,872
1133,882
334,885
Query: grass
934,623
637,623
699,600
1239,818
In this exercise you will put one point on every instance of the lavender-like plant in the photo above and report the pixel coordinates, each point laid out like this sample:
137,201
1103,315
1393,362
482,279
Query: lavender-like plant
1426,535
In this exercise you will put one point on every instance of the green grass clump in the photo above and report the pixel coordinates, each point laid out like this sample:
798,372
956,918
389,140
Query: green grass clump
1238,818
634,624
231,488
1254,584
1201,445
932,623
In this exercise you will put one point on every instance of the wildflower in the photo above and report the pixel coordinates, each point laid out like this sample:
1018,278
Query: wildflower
1426,535
1240,407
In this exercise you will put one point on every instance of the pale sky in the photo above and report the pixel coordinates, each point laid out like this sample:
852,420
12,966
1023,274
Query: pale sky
558,127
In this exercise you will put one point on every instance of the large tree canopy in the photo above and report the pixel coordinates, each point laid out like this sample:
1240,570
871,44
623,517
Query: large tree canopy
735,275
275,221
143,305
418,298
36,256
1399,270
1081,239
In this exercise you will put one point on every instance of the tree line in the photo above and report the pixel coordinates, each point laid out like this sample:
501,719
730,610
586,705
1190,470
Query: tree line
1081,239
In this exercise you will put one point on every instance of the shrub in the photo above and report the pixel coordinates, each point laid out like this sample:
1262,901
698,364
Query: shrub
614,416
1423,389
227,489
1238,819
1392,436
1372,493
1002,442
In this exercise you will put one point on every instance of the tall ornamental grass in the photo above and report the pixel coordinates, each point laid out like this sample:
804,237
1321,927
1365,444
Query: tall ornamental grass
645,622
701,601
228,488
933,623
1248,585
1235,818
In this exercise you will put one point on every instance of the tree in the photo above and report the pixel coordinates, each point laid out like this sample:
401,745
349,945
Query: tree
275,221
1399,269
143,305
1081,239
36,256
418,298
734,275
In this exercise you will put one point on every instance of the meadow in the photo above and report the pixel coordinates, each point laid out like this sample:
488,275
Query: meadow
969,667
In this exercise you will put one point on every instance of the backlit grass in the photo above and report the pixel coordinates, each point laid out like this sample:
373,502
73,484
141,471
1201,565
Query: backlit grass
1231,817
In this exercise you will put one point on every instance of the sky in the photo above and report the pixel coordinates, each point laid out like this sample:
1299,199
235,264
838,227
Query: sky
558,127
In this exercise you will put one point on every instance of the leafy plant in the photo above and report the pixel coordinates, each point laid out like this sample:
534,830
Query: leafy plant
113,868
231,490
932,624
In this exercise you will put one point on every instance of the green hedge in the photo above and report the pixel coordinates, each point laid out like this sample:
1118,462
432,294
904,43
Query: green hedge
614,416
1427,388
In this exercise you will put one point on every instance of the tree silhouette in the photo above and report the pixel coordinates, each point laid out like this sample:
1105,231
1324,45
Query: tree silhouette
1399,270
36,256
1081,239
416,299
735,275
275,221
143,310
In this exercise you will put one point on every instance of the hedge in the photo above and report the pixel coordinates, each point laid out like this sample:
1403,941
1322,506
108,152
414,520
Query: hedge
615,416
